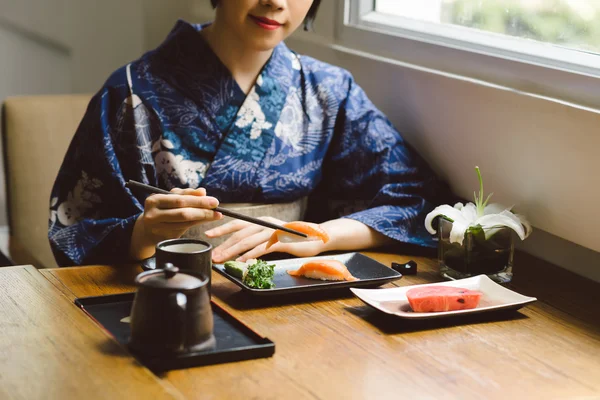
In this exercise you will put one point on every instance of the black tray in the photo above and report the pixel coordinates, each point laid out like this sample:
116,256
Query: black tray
371,273
235,341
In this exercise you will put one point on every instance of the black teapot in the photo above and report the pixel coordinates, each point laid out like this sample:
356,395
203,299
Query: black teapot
171,313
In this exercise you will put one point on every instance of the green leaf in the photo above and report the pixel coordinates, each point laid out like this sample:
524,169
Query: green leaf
477,232
260,275
487,200
479,199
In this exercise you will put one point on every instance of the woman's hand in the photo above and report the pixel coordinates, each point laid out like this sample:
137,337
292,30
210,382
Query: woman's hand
250,240
169,216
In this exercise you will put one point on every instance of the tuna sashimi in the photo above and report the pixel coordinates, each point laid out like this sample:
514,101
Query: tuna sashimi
313,232
442,298
326,270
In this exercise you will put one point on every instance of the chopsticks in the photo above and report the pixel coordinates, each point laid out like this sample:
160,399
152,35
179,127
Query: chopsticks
154,190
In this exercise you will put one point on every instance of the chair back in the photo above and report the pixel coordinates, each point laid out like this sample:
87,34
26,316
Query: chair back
37,131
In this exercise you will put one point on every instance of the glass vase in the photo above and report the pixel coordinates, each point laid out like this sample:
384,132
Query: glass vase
492,256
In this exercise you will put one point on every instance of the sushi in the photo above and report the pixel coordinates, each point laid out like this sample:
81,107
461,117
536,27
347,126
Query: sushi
442,298
326,270
313,231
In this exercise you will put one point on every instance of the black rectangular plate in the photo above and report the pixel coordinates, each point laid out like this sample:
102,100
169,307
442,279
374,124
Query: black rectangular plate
368,271
235,341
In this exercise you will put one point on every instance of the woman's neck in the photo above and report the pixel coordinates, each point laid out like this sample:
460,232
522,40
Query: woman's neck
243,63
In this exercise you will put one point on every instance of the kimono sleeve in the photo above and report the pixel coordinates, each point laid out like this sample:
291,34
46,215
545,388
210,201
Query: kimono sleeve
371,168
92,214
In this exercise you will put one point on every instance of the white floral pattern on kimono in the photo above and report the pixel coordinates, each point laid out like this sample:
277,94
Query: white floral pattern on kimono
295,62
188,172
294,129
79,200
251,113
290,124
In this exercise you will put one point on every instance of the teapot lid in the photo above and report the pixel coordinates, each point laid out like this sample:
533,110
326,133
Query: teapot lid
169,278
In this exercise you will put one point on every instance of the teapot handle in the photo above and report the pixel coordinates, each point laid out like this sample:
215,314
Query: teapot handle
178,302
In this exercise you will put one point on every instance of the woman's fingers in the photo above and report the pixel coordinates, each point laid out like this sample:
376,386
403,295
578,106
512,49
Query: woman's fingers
243,233
186,214
256,252
166,201
236,225
298,249
247,239
170,215
226,251
229,227
192,192
223,250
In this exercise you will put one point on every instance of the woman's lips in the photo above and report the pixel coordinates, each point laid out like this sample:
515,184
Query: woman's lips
266,23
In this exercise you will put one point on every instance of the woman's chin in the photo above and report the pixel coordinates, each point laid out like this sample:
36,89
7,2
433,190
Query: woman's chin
264,44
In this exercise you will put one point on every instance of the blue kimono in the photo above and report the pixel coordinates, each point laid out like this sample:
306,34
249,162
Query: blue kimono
177,118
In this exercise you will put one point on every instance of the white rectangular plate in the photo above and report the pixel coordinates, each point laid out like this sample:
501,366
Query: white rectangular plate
394,301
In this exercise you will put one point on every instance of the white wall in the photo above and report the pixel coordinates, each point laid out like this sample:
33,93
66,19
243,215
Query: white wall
160,17
104,35
536,153
64,46
97,36
20,64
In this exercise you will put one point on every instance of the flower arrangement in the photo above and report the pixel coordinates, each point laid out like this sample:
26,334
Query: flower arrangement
479,238
478,215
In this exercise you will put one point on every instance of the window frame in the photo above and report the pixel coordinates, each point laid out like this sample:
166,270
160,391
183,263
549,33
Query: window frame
542,69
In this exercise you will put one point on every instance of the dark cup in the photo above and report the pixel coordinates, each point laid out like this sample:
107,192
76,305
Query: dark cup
187,254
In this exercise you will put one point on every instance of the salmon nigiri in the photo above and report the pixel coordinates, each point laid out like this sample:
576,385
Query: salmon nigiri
313,231
326,270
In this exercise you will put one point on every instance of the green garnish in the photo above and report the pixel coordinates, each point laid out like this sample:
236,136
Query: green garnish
236,268
479,203
260,275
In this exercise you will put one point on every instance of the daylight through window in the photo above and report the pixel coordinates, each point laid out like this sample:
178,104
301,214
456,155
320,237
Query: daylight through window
568,23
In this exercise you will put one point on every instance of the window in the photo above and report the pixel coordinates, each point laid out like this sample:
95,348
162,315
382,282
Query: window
568,23
545,47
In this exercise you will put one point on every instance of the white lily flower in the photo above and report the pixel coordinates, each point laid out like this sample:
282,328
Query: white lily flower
489,217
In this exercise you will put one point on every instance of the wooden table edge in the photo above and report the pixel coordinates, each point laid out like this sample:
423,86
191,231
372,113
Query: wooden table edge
70,297
48,274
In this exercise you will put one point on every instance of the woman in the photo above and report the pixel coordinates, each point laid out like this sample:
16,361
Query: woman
226,112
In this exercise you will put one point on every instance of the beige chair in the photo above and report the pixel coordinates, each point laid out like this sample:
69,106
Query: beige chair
36,133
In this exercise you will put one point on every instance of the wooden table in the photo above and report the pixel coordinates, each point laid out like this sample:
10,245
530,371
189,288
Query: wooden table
50,350
335,347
